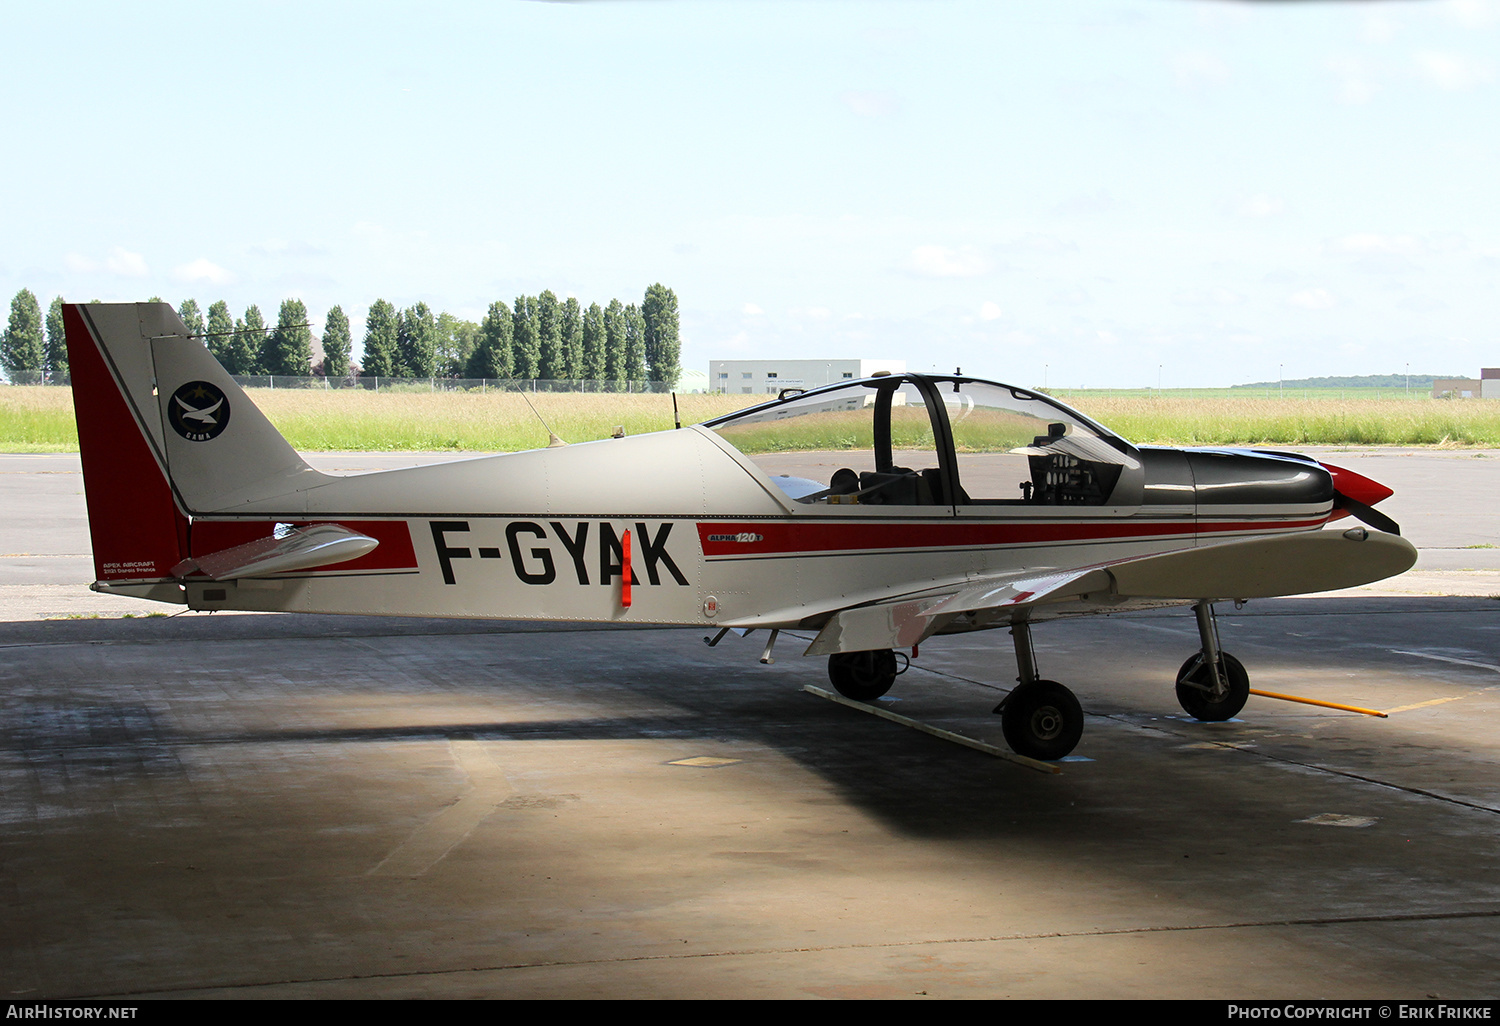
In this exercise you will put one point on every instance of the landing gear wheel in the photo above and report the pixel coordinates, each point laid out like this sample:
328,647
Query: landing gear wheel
1200,704
1041,720
862,676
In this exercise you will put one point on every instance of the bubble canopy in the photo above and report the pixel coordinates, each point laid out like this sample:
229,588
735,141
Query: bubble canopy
915,439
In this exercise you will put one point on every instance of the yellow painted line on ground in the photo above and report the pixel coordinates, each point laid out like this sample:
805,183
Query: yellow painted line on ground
1424,705
939,732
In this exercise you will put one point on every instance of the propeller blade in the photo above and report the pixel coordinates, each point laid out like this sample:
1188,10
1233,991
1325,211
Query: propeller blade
1368,514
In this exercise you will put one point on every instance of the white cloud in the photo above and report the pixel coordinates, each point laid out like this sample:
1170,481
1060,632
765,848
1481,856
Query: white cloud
869,103
120,261
990,311
202,269
125,263
751,310
1312,299
1453,71
943,262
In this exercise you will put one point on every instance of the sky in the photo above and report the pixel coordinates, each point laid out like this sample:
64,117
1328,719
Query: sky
1081,193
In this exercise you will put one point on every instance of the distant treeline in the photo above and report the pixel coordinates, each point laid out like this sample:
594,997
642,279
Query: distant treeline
542,337
1356,381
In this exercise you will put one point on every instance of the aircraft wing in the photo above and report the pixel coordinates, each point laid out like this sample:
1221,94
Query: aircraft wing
1290,564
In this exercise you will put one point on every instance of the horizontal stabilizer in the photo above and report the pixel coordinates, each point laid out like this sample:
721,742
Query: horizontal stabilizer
303,548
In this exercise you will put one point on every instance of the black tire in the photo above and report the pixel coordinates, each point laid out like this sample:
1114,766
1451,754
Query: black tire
862,676
1199,703
1041,720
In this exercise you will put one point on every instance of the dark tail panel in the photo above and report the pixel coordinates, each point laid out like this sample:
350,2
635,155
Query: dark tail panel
138,531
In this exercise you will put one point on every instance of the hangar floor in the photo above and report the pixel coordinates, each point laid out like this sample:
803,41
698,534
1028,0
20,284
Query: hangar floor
295,806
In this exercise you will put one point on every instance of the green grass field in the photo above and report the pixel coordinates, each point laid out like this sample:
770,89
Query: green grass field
40,419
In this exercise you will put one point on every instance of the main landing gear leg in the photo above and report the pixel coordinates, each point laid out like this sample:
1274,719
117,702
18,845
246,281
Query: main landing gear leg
1041,719
1213,684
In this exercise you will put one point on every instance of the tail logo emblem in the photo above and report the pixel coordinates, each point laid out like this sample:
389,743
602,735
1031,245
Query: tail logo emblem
198,411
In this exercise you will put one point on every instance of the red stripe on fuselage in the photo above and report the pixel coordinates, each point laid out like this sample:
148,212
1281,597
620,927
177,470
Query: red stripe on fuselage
771,538
137,530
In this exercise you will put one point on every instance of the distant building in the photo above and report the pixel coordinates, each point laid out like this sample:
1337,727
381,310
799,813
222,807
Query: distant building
1486,386
767,377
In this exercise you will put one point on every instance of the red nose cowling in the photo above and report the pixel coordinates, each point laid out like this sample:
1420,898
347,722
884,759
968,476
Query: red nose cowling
1357,487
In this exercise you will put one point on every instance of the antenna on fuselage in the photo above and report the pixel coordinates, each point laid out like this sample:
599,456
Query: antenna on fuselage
553,441
676,417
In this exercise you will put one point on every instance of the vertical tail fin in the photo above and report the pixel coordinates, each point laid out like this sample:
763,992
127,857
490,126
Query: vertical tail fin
138,529
164,433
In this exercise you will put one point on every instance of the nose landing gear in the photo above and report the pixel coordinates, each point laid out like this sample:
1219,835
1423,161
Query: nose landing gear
1212,685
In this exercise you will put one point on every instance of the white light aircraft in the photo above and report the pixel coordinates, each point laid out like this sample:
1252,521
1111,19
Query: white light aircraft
877,513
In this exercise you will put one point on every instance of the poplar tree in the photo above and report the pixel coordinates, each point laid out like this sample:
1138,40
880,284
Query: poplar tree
191,316
548,337
593,344
456,339
527,353
614,341
417,342
663,348
336,344
245,346
635,344
23,349
380,359
57,344
493,356
220,337
289,349
570,348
